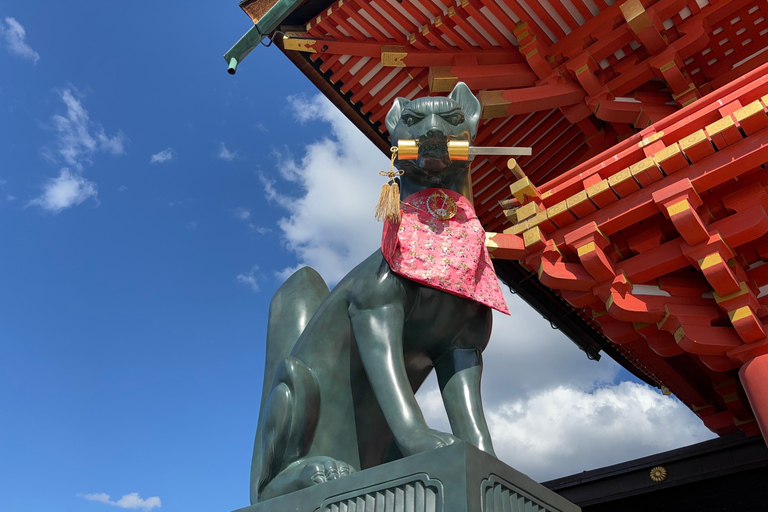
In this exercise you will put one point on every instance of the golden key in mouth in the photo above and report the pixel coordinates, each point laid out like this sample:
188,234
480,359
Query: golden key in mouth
459,150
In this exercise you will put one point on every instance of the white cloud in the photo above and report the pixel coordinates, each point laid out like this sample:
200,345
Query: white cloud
130,501
249,278
79,138
8,197
331,225
68,189
163,156
227,154
562,430
122,188
242,213
15,38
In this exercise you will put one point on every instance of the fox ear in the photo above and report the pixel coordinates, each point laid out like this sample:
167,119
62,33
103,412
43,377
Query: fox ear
394,114
469,103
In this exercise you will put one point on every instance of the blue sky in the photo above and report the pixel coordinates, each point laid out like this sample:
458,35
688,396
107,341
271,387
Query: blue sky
150,204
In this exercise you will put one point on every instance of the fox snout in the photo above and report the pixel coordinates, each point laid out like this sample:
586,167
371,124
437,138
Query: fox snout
434,133
434,127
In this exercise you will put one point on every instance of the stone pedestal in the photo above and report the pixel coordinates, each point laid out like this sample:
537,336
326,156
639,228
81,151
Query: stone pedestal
458,478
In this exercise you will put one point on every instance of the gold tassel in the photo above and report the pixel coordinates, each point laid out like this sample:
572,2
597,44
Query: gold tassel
388,208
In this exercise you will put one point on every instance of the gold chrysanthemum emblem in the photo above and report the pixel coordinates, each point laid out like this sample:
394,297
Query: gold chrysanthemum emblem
659,474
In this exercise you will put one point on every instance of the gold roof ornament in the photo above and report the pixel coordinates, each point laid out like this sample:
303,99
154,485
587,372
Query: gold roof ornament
659,474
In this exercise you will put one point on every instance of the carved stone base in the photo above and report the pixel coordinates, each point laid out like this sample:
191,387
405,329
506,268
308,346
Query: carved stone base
458,478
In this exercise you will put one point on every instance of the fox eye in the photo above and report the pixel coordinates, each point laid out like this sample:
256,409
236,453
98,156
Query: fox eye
410,120
455,119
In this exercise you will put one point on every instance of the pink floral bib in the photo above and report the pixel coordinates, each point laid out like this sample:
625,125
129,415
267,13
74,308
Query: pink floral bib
441,243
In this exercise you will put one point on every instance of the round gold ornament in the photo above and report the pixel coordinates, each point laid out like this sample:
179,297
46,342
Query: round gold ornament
659,474
441,205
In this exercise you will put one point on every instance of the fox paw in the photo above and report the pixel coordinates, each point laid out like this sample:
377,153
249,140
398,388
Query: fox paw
305,473
427,439
322,469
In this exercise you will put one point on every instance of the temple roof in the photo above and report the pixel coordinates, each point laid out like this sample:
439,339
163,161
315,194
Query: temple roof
568,78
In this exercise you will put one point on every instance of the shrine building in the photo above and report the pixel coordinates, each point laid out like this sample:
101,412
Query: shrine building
639,224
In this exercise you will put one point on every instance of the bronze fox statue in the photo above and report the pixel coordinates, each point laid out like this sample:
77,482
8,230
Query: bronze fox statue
342,366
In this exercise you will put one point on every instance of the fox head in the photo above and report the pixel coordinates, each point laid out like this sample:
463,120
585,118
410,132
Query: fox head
433,121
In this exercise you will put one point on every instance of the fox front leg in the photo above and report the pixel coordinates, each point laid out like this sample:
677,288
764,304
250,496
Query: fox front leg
377,322
458,374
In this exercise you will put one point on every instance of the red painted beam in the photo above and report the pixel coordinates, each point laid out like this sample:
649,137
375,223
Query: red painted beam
530,99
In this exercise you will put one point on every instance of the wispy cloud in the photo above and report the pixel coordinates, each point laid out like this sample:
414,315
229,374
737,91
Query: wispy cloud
8,197
15,37
249,278
271,193
244,215
129,501
66,190
77,140
163,156
227,154
241,213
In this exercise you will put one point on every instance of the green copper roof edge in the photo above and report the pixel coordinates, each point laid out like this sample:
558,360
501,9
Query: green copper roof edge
265,26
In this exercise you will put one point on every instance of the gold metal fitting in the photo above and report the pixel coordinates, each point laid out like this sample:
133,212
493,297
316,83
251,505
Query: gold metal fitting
407,150
458,150
659,474
515,168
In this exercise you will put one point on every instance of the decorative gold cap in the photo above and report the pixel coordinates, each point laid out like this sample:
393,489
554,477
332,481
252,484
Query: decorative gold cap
515,168
407,150
458,150
659,474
